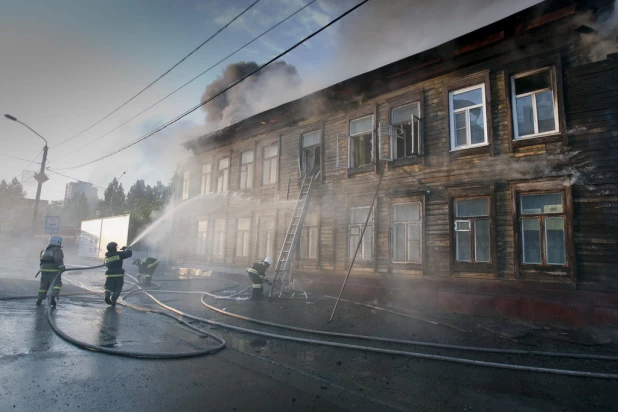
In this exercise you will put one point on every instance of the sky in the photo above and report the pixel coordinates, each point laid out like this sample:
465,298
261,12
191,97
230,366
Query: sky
66,64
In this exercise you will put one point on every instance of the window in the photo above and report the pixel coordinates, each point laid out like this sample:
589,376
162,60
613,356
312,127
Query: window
206,178
542,223
223,176
270,165
218,241
186,180
309,237
310,154
357,221
472,230
535,110
361,142
467,117
242,237
246,170
406,130
266,237
202,240
406,233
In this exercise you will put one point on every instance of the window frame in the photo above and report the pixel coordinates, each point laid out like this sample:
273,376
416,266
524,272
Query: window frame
472,220
351,145
202,239
466,110
422,230
206,180
226,179
318,146
214,255
249,183
316,228
270,159
247,234
514,96
271,243
372,223
418,152
186,184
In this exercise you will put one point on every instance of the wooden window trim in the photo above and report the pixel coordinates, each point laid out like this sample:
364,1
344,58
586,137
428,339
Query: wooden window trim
313,127
489,192
366,264
524,271
552,60
229,172
242,259
402,199
246,189
212,257
351,171
462,83
258,215
262,159
311,263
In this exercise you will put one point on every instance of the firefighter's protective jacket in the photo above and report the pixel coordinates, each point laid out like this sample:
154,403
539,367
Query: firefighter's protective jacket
113,261
258,268
52,259
147,266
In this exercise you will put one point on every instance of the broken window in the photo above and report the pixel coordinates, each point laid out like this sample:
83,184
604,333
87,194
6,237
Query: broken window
406,131
218,241
535,109
246,170
472,230
223,176
467,117
406,233
202,240
270,165
361,142
542,223
186,180
266,236
206,178
309,237
358,216
243,232
310,153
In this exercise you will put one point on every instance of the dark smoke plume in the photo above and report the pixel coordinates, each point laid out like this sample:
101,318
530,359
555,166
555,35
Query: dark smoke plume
272,86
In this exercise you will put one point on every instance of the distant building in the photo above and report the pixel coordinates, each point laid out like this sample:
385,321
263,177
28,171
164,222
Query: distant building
89,191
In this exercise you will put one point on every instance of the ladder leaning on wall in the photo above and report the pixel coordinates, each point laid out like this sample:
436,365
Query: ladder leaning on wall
292,238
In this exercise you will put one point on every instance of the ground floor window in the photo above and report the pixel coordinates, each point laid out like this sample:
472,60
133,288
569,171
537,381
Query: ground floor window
202,240
542,224
243,231
309,237
218,242
406,233
472,230
358,216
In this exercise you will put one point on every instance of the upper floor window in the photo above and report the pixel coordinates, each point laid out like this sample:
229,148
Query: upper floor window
206,178
406,233
246,170
310,153
534,101
223,177
542,222
358,216
186,180
406,130
270,164
472,230
467,117
361,142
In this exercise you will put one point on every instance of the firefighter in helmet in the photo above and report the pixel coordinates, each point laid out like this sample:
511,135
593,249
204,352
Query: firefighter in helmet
114,275
52,264
257,274
146,269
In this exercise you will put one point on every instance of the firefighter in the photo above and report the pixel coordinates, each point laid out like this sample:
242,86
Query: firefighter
146,269
257,274
52,264
114,275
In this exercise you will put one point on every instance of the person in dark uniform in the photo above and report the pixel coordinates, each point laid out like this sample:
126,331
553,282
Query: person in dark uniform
257,274
146,269
52,263
114,275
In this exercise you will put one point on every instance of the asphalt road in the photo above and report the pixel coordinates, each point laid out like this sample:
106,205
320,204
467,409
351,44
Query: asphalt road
40,371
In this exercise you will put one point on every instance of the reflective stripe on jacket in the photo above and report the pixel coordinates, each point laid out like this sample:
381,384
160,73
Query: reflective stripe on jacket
52,259
113,261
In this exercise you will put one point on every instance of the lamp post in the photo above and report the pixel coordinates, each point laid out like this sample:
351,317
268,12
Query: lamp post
40,177
111,198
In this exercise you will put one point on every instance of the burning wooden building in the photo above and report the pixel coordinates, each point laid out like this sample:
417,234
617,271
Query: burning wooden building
498,159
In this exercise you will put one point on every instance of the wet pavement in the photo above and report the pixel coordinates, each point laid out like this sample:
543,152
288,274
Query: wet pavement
40,371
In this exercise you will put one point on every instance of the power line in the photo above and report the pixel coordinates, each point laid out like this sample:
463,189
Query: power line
21,158
177,118
164,74
72,178
199,75
37,156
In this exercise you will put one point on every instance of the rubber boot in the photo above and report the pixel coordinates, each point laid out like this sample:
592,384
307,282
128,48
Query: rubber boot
39,301
107,298
53,302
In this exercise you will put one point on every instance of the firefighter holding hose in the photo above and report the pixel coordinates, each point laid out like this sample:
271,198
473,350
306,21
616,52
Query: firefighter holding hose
257,274
52,264
114,275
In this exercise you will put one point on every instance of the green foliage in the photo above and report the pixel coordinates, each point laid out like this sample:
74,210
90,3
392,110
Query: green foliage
11,193
114,202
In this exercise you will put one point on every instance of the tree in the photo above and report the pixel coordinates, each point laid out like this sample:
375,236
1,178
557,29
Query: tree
114,197
11,193
143,202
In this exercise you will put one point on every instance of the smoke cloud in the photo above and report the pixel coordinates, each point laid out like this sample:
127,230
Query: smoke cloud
272,86
603,40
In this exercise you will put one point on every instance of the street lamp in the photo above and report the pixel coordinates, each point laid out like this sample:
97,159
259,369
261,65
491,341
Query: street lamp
40,177
111,198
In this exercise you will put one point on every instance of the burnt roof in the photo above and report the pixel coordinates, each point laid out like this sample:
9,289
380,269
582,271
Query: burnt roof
382,79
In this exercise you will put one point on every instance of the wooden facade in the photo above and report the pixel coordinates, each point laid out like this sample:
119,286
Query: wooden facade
570,241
